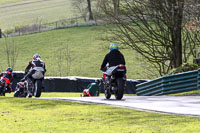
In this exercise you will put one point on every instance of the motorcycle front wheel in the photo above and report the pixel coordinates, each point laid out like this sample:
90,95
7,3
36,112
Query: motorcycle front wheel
20,94
2,92
17,94
107,92
120,89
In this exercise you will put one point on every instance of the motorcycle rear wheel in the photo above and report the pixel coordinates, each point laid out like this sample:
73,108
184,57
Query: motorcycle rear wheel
38,88
120,89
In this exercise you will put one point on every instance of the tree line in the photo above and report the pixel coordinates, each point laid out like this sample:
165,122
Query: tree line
164,32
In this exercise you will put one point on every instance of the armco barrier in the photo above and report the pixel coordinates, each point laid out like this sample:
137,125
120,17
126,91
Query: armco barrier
73,84
170,84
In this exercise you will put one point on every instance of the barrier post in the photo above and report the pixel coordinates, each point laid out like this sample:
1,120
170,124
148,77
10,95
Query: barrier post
0,34
198,79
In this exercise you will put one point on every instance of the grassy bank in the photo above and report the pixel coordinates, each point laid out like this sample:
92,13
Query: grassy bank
81,45
34,115
67,52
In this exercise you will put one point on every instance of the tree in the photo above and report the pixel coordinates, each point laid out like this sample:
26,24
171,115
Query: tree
112,3
116,7
80,7
64,60
90,10
11,52
155,29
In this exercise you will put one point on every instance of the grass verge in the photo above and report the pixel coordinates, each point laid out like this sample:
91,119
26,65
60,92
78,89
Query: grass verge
189,93
35,115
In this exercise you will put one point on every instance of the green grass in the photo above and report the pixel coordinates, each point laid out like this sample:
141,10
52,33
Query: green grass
34,115
33,12
86,51
189,93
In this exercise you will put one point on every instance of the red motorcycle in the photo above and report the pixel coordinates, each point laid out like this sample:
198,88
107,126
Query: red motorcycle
114,80
3,85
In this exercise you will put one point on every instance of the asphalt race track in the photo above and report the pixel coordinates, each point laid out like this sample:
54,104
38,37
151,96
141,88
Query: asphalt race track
180,105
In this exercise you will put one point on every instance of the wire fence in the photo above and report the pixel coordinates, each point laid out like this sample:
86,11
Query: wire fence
36,28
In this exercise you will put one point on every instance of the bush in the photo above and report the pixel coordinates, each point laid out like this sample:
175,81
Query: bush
185,67
8,31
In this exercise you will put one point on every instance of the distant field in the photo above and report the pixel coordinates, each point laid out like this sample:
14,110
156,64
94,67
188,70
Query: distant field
86,52
5,1
26,12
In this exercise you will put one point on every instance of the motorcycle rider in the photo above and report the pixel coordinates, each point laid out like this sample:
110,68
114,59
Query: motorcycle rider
8,78
113,58
37,65
92,89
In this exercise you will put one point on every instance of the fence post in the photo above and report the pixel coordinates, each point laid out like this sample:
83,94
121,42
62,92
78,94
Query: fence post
0,34
19,31
76,21
39,28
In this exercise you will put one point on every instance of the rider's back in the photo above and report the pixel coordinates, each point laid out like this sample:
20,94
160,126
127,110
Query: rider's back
37,63
115,58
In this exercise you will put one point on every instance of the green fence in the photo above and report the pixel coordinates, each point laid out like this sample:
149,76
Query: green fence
170,84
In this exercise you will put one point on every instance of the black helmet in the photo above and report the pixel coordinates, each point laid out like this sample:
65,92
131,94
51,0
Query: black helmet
98,81
9,69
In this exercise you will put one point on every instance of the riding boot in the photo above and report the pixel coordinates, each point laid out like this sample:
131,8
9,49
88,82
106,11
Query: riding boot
29,92
30,86
29,95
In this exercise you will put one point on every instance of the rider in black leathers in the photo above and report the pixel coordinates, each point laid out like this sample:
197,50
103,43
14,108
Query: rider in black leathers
37,65
113,58
8,78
